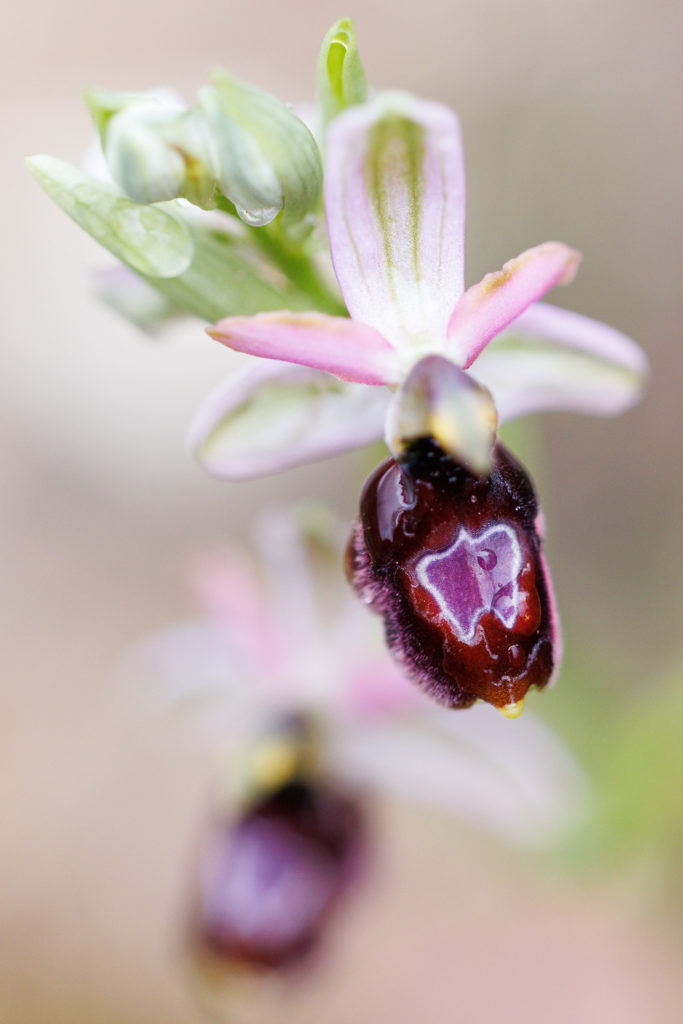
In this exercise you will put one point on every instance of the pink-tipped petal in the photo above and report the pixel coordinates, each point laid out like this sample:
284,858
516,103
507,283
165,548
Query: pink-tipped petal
395,201
550,358
352,351
273,416
489,306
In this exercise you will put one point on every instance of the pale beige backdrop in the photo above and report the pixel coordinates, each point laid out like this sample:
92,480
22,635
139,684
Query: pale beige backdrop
569,117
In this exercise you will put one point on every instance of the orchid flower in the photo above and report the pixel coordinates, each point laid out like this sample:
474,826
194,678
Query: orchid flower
284,679
431,366
453,362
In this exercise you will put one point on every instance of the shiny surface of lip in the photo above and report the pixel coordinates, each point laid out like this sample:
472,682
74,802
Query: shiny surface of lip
453,564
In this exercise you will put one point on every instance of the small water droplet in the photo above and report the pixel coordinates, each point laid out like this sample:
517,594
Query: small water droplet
258,218
487,559
516,655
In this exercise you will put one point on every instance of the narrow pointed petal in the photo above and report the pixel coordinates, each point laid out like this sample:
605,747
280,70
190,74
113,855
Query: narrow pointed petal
438,401
395,201
489,306
550,358
351,351
272,417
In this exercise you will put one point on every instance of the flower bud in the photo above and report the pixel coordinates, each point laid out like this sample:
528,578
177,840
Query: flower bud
150,239
453,563
341,78
266,158
155,148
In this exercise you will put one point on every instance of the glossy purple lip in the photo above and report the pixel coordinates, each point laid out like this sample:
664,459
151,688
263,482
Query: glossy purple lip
453,563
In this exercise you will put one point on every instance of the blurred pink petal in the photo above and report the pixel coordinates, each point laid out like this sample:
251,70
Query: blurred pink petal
195,673
376,688
521,783
228,592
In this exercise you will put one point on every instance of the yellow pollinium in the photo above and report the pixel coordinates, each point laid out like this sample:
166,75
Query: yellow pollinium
512,710
444,430
273,763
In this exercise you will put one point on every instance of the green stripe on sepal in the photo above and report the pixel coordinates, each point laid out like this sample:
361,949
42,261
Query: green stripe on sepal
148,238
340,79
394,163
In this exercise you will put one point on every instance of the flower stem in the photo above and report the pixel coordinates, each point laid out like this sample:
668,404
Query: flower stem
294,260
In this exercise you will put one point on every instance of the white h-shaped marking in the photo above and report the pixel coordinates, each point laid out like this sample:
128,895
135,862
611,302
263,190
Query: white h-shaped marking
476,574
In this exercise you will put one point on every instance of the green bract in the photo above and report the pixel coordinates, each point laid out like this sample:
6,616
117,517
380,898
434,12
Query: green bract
148,238
156,150
266,158
103,105
231,271
341,78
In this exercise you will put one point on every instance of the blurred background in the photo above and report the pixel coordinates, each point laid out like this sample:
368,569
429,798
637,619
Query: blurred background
568,112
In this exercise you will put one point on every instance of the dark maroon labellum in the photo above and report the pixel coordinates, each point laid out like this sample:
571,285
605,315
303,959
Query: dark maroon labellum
453,563
269,881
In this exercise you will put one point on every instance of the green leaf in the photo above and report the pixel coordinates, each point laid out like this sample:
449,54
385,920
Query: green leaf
148,238
341,79
230,276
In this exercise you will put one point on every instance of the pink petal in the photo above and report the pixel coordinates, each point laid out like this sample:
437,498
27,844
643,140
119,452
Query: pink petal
549,358
486,308
280,539
351,351
395,201
377,688
274,416
231,595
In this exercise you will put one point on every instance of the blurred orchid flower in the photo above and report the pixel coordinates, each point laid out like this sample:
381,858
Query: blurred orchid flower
272,872
457,360
264,649
312,714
